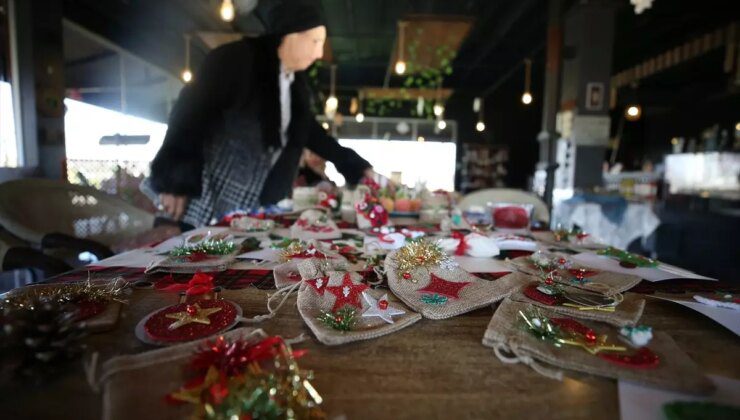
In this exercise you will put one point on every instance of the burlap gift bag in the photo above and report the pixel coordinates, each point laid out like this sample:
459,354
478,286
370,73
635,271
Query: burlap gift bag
135,386
593,280
204,256
288,273
339,309
512,342
568,240
441,289
252,227
626,313
315,224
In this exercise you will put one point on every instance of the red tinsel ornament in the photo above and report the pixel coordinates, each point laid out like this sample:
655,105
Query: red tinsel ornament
644,358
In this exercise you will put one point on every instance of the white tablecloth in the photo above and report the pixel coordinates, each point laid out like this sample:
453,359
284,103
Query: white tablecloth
639,221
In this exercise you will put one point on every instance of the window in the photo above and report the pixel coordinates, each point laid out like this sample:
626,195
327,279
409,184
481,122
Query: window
429,162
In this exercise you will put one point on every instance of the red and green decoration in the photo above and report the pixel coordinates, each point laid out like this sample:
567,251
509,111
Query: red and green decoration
341,320
301,250
439,290
371,209
569,332
420,254
190,321
565,235
204,250
628,259
242,379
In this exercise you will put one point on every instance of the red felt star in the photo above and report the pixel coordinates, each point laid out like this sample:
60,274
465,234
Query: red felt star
443,287
318,284
348,293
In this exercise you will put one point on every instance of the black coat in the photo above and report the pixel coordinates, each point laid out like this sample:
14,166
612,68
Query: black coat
237,87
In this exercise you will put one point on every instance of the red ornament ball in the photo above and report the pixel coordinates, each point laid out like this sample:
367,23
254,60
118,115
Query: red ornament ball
591,337
191,310
383,304
406,276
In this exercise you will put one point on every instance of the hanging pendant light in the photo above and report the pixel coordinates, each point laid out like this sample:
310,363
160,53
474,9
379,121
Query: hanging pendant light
400,66
633,112
359,117
227,11
527,95
478,107
332,103
439,109
187,74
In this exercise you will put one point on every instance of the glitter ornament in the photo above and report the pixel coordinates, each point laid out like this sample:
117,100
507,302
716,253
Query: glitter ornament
421,254
348,293
188,321
443,287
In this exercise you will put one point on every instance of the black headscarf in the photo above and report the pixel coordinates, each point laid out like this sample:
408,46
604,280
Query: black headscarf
282,17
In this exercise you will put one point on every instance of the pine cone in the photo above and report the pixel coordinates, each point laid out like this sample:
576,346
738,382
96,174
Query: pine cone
42,334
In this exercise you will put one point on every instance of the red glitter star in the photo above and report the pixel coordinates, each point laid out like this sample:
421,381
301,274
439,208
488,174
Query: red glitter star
443,287
348,293
318,284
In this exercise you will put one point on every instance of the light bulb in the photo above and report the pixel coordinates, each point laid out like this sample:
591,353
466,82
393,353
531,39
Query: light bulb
633,112
737,127
227,10
325,125
420,139
400,67
187,76
360,117
480,126
441,124
439,109
527,98
332,102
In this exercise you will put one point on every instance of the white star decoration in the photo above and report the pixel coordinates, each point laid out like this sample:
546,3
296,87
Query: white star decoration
380,308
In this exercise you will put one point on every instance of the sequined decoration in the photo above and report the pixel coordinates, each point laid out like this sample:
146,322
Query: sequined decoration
245,379
442,287
157,327
421,254
82,293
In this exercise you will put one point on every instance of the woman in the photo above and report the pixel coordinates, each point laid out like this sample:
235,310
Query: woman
237,131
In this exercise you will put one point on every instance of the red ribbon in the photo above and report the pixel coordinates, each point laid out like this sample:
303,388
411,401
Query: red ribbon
462,246
199,284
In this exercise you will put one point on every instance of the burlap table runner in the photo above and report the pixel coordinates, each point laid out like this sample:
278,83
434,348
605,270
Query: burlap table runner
312,303
626,313
604,282
422,291
507,336
135,386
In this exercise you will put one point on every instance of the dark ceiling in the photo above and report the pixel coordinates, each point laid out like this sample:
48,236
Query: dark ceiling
362,33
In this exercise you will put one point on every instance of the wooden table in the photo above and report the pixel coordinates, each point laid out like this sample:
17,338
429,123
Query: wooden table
433,369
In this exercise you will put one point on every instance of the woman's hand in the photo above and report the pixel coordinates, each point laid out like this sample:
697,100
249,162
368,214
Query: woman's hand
173,205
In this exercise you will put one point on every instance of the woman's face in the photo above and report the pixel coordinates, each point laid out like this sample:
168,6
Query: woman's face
299,50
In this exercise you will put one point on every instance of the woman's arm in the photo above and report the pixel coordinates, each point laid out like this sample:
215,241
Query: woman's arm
347,161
